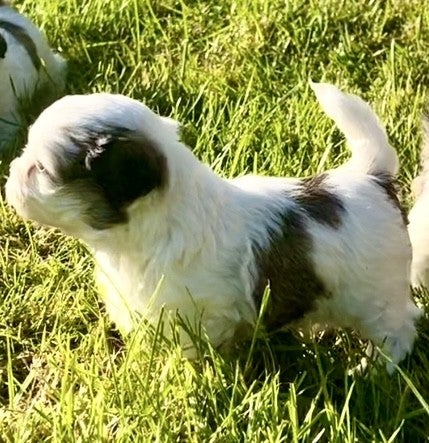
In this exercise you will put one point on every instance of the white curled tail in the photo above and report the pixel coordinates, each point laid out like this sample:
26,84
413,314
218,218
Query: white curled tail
371,152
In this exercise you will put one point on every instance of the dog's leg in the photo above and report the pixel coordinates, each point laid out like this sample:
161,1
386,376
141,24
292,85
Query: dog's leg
394,331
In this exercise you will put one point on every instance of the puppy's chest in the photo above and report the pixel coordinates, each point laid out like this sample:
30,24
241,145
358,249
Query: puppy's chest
146,286
130,276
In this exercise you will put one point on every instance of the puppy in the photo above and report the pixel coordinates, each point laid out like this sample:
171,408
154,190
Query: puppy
168,233
27,65
418,227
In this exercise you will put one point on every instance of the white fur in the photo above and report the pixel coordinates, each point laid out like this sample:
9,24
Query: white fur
362,130
418,227
19,78
189,247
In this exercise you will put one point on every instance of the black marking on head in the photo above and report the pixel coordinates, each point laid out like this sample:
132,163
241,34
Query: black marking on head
24,39
322,205
116,168
388,184
287,267
3,46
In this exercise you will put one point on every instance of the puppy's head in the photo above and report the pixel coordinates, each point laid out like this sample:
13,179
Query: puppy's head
88,159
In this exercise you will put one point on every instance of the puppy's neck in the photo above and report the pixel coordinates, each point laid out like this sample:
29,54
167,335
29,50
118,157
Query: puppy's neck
171,225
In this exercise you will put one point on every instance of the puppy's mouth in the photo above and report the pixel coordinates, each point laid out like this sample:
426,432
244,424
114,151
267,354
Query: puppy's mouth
37,167
31,170
19,185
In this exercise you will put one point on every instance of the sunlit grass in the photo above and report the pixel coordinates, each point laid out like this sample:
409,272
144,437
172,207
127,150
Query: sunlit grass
236,75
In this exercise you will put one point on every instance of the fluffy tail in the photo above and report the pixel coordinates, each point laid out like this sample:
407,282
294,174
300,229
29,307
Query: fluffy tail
371,152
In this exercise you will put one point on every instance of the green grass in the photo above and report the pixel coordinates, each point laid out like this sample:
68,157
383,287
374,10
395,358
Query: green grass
236,75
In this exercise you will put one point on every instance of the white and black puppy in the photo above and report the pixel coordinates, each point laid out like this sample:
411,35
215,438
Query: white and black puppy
27,64
419,217
168,232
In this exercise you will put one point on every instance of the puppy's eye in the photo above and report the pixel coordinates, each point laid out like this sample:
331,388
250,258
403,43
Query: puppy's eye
40,167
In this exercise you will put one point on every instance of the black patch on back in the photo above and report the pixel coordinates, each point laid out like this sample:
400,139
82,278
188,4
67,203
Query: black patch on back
112,170
388,184
24,39
322,205
3,47
287,268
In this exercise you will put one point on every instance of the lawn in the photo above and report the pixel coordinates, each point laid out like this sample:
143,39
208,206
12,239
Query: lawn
235,73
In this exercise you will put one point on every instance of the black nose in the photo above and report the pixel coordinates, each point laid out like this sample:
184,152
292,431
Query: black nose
3,47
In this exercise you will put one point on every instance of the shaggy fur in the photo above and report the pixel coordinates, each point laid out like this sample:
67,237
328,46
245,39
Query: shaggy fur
419,217
168,233
27,65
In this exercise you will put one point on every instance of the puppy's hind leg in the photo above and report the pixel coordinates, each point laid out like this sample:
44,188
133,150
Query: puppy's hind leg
394,331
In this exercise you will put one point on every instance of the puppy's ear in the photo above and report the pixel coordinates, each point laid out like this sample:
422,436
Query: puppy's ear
3,46
126,167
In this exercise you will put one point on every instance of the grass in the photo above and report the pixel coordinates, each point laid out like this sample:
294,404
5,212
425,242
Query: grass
236,74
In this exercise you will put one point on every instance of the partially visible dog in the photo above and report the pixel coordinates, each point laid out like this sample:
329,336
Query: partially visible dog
167,232
27,66
419,217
